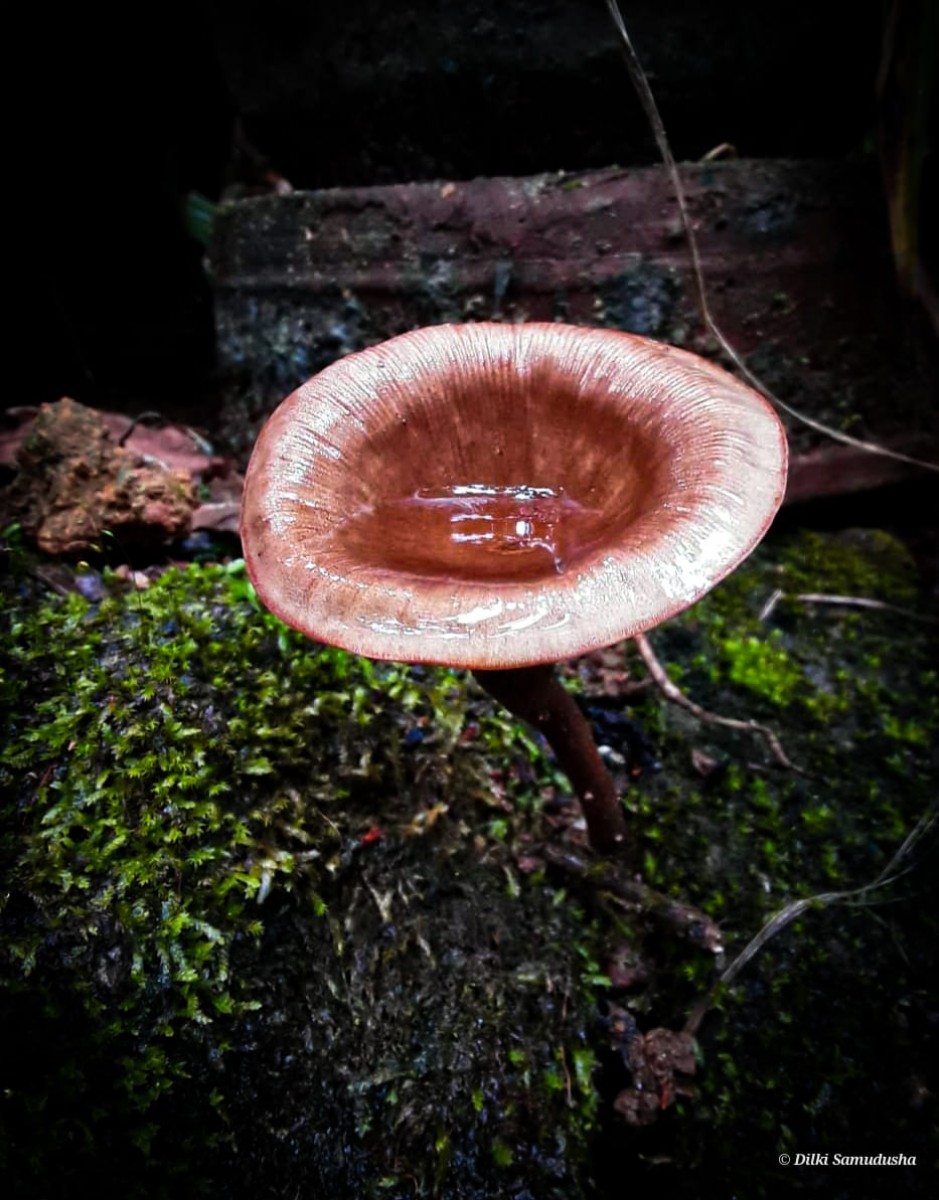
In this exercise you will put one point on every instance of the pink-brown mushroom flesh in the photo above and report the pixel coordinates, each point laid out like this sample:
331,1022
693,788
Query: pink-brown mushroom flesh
501,497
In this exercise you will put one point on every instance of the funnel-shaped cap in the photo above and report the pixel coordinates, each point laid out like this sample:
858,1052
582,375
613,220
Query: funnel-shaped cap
502,495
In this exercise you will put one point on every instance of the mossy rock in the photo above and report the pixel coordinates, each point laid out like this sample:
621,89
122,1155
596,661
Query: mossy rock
263,930
276,921
826,1043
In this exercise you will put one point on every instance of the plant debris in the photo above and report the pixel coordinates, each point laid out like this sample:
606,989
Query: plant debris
81,472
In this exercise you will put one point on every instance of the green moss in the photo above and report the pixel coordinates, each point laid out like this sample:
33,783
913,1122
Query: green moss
852,695
501,1154
162,712
265,899
761,666
216,834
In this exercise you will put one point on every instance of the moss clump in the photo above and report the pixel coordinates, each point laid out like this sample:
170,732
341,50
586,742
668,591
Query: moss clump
822,1044
247,910
142,729
852,694
276,922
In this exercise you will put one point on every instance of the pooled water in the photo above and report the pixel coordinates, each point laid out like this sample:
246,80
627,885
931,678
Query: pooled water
473,530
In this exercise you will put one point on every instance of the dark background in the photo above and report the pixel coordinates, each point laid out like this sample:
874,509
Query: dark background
129,110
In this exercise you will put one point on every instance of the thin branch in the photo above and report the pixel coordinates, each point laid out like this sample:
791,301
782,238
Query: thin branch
769,607
786,915
846,601
673,693
646,98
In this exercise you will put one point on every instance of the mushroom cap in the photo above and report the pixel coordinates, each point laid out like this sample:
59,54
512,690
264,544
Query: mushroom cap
496,496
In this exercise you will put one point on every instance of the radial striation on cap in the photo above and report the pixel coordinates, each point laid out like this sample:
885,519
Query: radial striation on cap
495,495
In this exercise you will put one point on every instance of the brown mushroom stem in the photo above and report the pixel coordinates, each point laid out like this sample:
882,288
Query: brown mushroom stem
536,695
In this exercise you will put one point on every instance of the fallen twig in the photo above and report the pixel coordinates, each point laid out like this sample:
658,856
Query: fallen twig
673,693
786,915
847,601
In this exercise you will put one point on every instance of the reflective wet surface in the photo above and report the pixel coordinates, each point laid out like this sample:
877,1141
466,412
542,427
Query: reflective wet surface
473,530
494,495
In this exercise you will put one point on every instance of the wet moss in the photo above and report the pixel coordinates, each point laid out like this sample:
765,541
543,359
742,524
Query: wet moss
276,920
260,903
851,693
823,1042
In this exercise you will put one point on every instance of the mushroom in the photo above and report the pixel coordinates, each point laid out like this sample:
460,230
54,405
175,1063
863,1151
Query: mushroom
502,497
